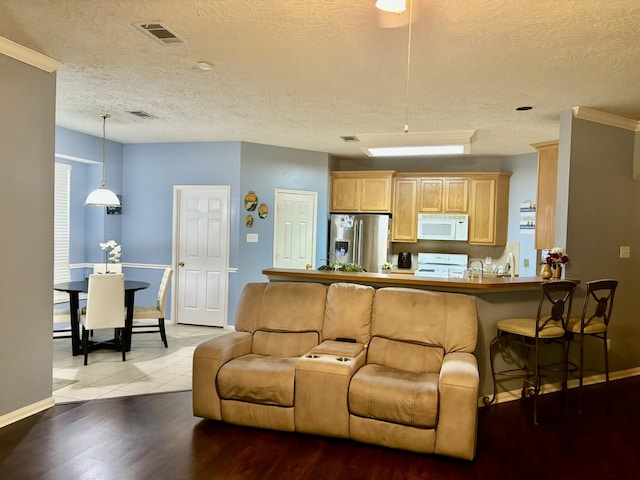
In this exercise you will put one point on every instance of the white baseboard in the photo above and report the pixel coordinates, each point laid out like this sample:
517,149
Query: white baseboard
510,395
25,412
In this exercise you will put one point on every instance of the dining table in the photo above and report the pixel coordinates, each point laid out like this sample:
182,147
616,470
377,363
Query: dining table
75,288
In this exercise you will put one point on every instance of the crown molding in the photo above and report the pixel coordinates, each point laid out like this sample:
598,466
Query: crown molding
28,56
597,116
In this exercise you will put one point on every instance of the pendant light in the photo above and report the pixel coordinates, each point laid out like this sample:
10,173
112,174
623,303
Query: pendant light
392,6
102,196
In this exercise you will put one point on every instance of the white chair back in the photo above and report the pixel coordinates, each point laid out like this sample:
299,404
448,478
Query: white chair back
105,302
162,291
107,268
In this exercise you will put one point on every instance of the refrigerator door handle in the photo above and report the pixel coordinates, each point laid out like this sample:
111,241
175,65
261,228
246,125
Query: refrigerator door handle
360,246
354,247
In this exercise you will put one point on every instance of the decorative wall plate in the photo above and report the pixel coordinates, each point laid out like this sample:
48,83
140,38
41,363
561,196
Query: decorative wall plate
250,201
248,221
263,210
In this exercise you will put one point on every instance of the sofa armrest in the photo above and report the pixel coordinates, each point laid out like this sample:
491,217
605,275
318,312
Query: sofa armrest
208,357
458,416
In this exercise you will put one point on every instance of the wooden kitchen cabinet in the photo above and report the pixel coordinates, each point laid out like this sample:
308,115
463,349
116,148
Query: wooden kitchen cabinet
546,194
404,225
456,195
365,191
443,195
489,208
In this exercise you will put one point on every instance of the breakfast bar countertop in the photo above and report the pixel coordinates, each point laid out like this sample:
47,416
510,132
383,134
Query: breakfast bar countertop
487,285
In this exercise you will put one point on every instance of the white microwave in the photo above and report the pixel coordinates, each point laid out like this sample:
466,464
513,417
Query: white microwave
443,227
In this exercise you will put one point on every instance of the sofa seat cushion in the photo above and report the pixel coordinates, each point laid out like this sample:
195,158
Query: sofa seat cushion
394,395
283,344
258,379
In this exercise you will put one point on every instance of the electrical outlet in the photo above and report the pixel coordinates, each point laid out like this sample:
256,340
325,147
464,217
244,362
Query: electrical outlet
526,262
625,251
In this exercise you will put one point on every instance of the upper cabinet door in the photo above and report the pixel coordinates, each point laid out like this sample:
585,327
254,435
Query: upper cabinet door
404,227
489,209
547,193
375,194
431,195
456,195
345,194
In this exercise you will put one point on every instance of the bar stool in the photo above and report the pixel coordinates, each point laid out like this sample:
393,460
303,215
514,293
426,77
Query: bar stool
594,322
548,326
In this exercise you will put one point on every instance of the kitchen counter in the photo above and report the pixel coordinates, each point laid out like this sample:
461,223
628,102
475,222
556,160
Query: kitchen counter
489,284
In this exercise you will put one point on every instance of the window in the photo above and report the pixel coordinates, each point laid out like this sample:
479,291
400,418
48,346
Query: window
61,271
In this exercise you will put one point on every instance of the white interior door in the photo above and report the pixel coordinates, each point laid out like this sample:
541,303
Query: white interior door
294,243
201,239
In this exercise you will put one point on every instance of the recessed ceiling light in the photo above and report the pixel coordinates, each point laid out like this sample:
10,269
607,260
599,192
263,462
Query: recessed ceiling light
524,108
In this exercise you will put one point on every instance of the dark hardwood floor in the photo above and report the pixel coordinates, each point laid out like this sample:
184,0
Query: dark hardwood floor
156,437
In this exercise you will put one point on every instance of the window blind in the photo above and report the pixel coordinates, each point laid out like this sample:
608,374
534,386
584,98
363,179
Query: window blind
62,189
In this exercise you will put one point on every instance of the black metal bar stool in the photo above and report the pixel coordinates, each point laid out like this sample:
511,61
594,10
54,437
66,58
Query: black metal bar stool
548,327
594,322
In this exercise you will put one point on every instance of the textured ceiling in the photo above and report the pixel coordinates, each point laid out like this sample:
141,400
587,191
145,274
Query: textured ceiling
303,73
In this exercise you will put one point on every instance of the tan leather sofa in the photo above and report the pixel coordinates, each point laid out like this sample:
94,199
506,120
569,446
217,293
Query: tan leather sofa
408,379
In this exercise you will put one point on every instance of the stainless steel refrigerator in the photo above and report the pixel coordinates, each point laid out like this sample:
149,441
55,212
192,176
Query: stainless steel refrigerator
363,239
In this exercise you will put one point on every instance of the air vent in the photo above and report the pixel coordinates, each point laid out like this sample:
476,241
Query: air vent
160,33
350,138
141,114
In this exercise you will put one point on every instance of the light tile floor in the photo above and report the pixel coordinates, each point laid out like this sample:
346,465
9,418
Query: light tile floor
149,368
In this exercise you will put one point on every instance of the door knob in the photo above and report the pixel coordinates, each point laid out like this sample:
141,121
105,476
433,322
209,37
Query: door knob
181,264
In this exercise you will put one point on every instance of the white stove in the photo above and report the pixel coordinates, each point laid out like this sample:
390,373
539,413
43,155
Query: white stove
442,265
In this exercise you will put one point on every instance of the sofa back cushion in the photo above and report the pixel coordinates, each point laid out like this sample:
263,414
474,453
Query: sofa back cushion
423,317
348,312
281,307
413,357
283,344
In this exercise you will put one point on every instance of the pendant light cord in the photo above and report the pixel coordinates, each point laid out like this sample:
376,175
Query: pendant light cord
104,139
406,120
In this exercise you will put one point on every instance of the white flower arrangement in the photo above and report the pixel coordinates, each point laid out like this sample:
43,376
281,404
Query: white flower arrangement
112,251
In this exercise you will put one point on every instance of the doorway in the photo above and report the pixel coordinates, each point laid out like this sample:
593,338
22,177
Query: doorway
201,254
294,231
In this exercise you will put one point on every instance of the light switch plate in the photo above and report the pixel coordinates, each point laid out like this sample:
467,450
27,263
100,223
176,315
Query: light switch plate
625,251
252,237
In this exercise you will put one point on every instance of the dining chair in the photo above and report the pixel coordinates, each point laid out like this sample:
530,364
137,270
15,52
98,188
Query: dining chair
156,311
594,322
61,316
107,268
105,309
547,327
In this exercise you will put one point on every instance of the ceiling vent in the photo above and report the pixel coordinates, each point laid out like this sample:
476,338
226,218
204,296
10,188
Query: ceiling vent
160,33
141,114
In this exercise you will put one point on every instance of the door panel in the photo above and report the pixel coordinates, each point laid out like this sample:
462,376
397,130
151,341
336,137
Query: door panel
202,255
295,229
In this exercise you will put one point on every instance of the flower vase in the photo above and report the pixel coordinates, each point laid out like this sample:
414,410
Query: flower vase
556,270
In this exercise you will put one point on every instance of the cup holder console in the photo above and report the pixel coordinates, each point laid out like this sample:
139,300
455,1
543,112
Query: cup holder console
343,359
312,356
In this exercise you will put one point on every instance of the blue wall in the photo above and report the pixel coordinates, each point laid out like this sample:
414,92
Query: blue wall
150,173
265,168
